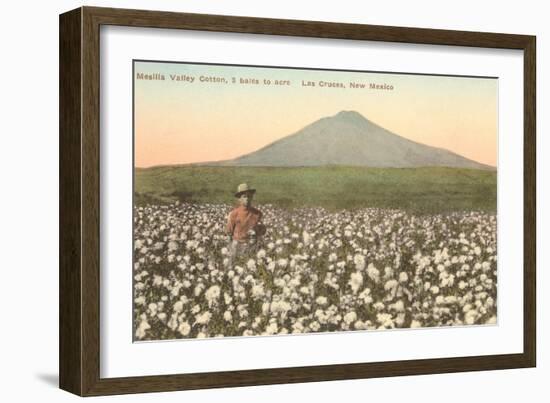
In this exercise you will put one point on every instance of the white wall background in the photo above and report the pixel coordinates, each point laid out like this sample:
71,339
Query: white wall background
29,201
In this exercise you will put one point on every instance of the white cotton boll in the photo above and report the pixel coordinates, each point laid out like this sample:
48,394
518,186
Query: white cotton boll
153,308
271,266
306,237
203,318
314,326
173,322
198,289
400,319
141,331
227,316
258,291
175,291
388,272
360,325
359,261
271,328
350,317
321,316
403,277
294,282
373,273
356,281
450,280
282,262
184,328
178,307
470,317
390,285
385,320
140,300
399,306
321,300
416,324
450,299
298,327
365,296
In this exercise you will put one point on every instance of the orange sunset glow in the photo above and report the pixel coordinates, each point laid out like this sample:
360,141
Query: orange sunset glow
188,113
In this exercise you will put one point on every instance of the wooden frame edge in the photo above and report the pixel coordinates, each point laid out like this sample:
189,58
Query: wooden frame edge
70,276
79,201
530,201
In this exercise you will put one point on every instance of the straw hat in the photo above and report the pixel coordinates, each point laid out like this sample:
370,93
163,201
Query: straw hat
243,188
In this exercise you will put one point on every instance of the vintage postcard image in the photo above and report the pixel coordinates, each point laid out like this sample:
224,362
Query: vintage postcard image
277,200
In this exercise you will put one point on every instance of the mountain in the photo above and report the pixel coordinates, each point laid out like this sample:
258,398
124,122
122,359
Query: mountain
348,138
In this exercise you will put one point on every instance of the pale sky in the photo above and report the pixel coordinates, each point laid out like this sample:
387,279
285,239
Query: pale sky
179,122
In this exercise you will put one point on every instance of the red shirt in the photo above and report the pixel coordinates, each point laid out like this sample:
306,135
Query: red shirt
242,219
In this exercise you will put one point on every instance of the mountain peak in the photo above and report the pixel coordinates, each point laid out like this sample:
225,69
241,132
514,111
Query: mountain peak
350,115
348,138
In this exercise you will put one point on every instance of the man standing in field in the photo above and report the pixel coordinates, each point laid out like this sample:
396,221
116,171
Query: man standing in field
243,223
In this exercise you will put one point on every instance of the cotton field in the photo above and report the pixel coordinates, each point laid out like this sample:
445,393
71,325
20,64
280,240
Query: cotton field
313,271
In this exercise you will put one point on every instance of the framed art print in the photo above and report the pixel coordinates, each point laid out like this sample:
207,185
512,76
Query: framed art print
253,201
